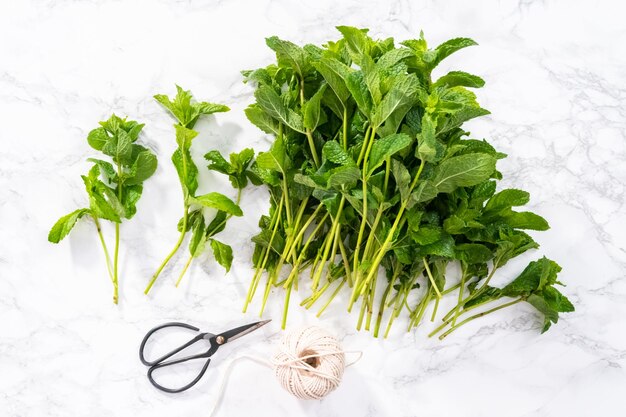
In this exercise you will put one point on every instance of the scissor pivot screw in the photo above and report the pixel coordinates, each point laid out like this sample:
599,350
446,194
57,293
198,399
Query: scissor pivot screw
220,340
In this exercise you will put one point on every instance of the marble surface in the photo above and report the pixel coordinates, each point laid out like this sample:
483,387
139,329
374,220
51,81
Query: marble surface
555,72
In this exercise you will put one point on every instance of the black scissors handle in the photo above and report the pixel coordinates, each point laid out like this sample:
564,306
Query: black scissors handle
183,388
163,362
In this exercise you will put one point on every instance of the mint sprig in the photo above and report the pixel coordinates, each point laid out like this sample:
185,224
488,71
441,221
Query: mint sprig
113,187
187,112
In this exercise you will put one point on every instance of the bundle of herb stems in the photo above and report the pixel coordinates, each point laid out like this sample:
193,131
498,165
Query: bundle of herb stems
371,171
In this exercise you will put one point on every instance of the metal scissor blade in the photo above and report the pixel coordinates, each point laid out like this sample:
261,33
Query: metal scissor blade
236,333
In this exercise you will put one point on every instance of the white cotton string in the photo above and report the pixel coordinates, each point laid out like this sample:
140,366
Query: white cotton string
309,364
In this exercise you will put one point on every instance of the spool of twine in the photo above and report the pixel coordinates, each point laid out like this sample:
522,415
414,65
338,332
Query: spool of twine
309,363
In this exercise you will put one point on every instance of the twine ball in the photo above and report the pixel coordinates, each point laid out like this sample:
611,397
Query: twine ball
309,363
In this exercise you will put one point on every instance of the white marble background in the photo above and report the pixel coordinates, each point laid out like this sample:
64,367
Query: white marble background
555,73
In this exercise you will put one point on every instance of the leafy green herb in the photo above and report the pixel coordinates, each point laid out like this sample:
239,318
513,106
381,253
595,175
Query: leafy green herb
113,188
186,111
371,176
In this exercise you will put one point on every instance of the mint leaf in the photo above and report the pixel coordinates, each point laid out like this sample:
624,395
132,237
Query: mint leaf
463,171
289,55
459,78
64,225
218,201
312,111
271,103
223,253
387,147
144,166
261,119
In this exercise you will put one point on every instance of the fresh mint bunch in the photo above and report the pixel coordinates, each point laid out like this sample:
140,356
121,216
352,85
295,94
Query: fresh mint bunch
372,177
113,186
187,112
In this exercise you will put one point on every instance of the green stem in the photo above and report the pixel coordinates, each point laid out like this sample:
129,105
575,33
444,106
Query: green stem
432,280
295,269
475,316
385,246
309,137
266,257
462,287
449,290
292,237
182,273
370,305
117,239
104,246
115,263
330,241
383,303
472,295
421,309
345,128
173,251
332,297
286,308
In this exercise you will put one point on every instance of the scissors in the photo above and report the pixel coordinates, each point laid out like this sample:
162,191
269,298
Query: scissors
215,341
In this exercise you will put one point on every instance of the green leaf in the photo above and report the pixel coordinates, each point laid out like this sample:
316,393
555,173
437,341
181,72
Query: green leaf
428,148
184,136
463,171
119,147
443,247
459,78
313,115
289,55
261,119
102,200
276,158
335,73
186,169
556,300
210,108
357,42
130,196
449,47
402,177
534,277
526,220
198,239
402,96
218,201
372,77
144,166
506,199
550,315
272,104
426,235
64,225
473,253
357,87
97,138
424,191
334,153
218,163
391,58
186,112
106,169
217,224
344,177
385,148
223,253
